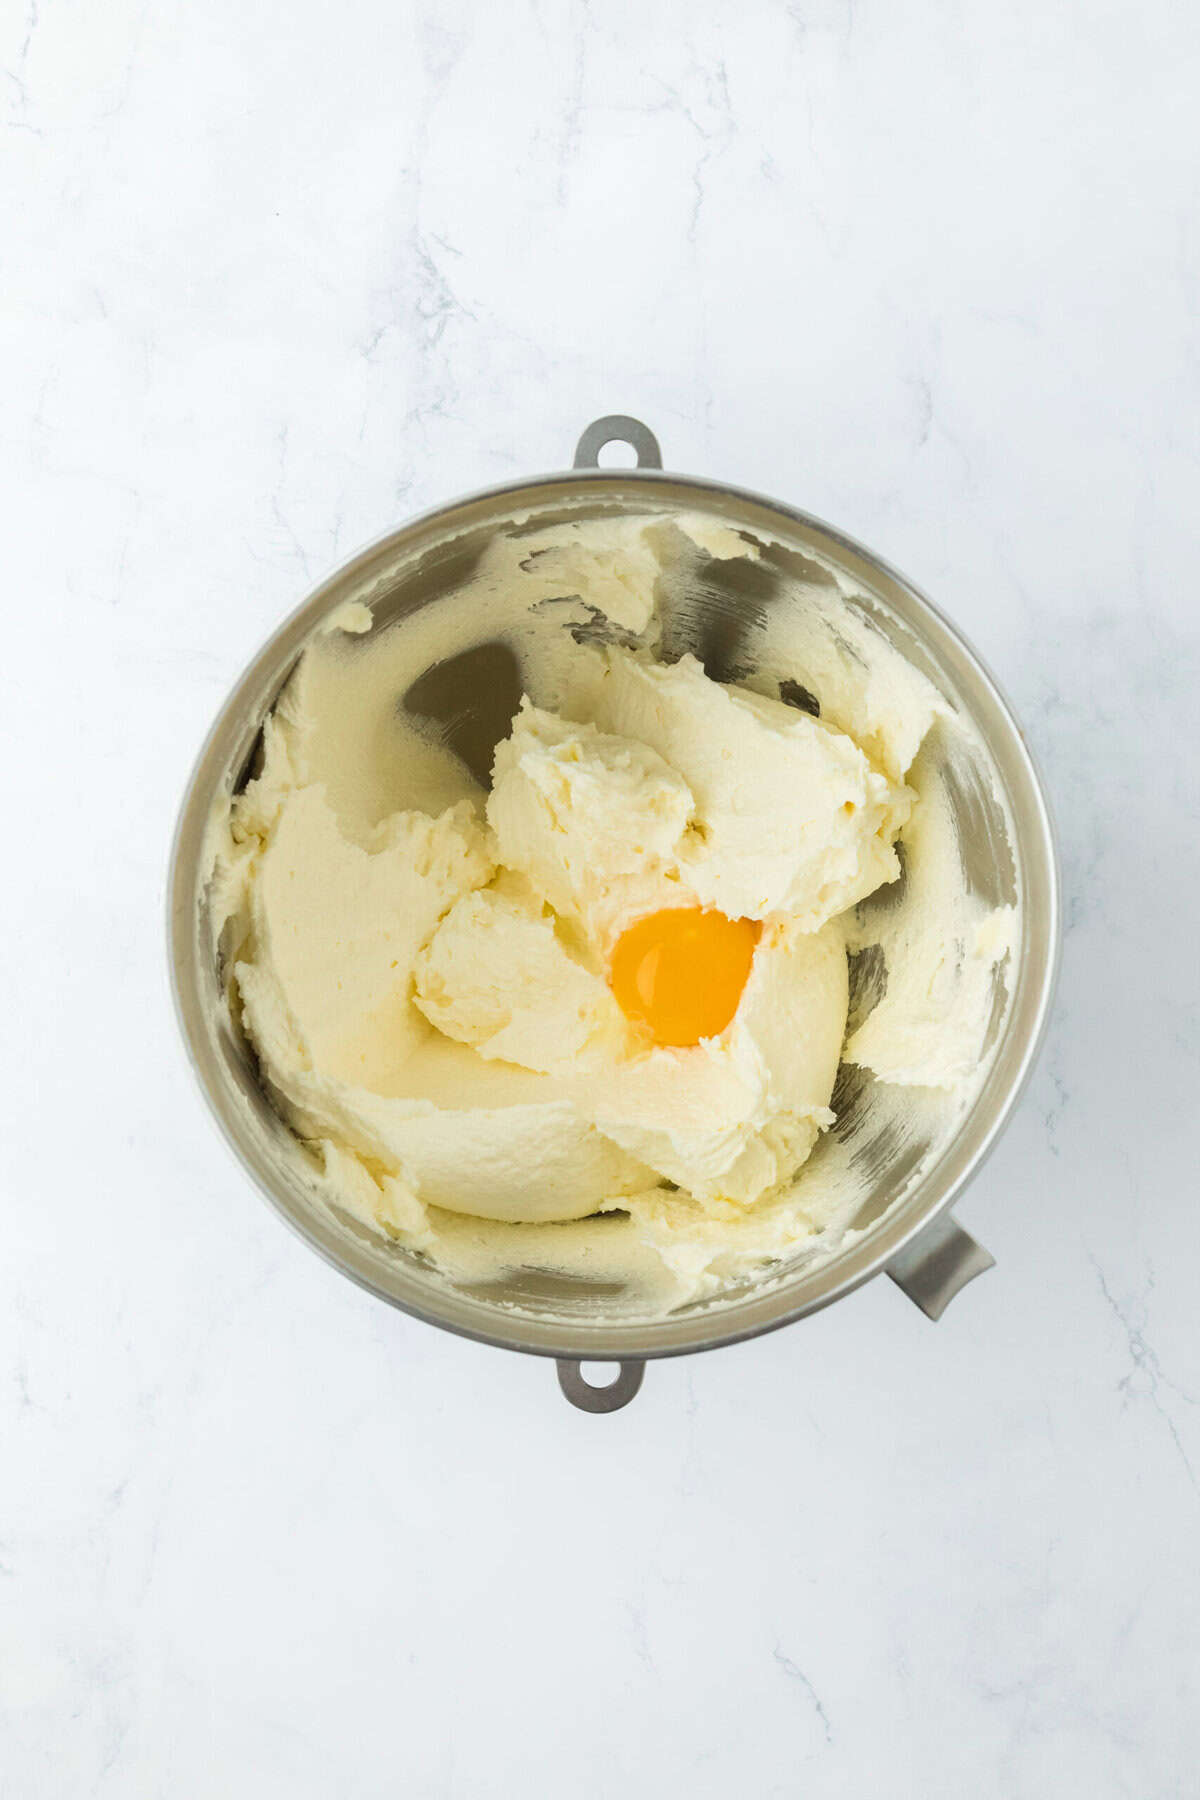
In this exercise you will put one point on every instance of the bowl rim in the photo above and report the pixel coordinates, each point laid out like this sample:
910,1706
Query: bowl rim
563,1337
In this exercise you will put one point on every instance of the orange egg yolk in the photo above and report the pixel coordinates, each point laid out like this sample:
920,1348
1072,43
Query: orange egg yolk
682,971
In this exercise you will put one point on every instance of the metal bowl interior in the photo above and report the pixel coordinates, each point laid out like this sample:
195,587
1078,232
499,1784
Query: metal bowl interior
1005,842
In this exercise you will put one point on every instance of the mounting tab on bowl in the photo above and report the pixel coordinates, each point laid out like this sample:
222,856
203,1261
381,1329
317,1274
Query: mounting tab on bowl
581,1393
939,1261
618,428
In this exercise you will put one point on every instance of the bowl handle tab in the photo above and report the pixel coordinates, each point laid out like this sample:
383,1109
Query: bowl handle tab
618,428
581,1393
939,1261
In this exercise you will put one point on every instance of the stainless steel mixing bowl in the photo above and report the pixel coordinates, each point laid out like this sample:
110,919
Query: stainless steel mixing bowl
904,1221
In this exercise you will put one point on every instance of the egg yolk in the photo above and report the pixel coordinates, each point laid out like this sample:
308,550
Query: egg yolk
681,971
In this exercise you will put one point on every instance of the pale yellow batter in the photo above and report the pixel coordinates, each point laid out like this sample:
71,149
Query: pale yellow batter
423,964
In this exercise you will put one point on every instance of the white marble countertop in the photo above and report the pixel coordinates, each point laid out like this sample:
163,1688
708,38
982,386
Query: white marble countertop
276,277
